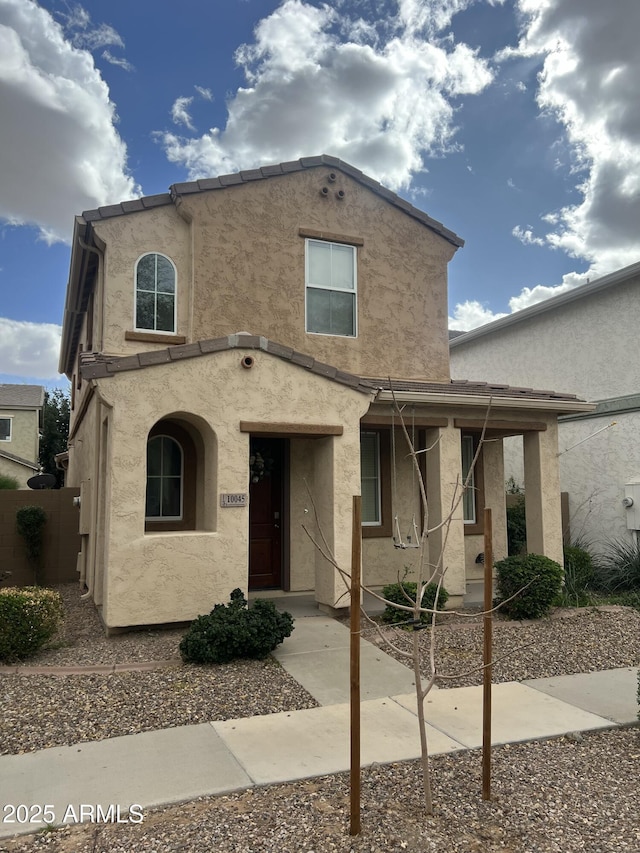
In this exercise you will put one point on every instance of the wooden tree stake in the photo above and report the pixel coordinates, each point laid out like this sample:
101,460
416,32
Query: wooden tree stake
486,658
356,557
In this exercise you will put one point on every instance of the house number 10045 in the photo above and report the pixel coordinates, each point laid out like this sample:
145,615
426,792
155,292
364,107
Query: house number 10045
239,499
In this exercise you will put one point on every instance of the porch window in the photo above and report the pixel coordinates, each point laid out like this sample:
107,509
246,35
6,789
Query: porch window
155,294
370,478
375,483
331,307
5,429
164,479
469,497
473,498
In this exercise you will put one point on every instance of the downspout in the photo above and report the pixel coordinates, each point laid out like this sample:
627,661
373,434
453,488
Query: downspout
98,300
102,402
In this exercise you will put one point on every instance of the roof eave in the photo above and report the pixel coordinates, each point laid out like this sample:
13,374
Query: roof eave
497,402
579,292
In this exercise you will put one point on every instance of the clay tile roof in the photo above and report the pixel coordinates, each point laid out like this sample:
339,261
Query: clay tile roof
463,386
97,366
264,173
21,396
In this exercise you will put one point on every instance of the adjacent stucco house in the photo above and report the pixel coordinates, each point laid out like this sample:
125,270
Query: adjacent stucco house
585,341
21,409
231,347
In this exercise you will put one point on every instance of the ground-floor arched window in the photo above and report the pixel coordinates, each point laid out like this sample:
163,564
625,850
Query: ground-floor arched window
170,502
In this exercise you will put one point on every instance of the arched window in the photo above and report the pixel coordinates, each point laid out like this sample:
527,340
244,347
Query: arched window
165,476
155,294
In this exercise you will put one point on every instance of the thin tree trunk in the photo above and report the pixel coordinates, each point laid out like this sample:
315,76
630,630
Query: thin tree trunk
424,747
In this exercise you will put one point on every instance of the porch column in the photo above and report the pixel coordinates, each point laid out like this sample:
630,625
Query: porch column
444,486
336,480
542,490
494,494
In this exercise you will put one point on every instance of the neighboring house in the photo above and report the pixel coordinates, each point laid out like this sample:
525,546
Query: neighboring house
202,450
584,341
21,409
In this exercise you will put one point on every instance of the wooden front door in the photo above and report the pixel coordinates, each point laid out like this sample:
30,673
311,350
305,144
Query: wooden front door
266,516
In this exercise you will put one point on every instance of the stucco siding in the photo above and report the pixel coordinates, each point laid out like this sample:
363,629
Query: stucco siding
240,261
594,472
157,577
19,472
24,434
128,238
587,347
582,348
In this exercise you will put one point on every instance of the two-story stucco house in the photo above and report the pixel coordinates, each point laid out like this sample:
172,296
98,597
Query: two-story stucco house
21,409
584,340
232,347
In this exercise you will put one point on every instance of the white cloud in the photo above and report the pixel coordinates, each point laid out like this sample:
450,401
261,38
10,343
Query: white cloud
180,112
531,295
207,94
100,36
470,314
526,237
377,93
115,60
591,65
59,150
29,350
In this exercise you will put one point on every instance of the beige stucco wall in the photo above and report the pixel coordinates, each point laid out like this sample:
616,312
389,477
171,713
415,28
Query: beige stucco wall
587,347
127,238
163,577
24,434
582,347
241,249
21,473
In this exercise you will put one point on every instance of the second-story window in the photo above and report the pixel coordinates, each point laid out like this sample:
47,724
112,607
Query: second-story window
331,306
5,429
155,294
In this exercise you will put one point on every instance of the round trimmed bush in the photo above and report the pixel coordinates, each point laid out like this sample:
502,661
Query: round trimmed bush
233,631
531,581
29,617
394,592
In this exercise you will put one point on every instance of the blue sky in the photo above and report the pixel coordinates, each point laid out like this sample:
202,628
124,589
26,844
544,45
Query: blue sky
515,123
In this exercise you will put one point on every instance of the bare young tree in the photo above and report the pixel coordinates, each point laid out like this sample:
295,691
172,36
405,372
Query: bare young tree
428,571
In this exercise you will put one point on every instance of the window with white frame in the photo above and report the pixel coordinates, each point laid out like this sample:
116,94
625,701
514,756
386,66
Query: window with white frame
371,487
5,429
469,497
164,479
331,287
155,294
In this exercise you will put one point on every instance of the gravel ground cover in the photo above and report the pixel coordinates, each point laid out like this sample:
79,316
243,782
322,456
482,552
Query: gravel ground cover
571,640
571,795
42,711
39,711
578,793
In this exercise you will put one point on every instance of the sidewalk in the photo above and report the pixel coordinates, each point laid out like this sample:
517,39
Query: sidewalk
178,764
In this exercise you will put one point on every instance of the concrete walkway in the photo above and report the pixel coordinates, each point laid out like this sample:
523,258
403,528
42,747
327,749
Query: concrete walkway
178,764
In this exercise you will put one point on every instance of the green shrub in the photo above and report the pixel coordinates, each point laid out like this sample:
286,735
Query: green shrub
516,528
30,522
534,580
29,617
394,592
233,631
578,576
619,567
8,482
